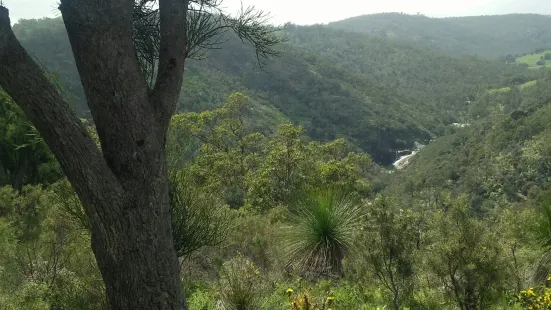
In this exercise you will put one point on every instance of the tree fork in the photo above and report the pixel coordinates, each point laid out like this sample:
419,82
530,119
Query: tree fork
124,189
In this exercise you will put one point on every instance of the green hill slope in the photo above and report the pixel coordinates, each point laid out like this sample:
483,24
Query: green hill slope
501,160
441,83
382,95
485,36
535,60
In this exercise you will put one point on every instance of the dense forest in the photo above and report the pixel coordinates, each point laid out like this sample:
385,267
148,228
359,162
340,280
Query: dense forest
486,36
382,95
282,190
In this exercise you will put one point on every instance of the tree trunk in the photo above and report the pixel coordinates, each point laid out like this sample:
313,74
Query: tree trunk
124,187
395,302
3,174
19,177
137,259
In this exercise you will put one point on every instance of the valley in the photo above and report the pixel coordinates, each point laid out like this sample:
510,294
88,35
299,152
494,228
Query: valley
385,161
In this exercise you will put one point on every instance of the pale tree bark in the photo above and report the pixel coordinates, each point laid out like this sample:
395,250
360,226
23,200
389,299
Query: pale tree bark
124,187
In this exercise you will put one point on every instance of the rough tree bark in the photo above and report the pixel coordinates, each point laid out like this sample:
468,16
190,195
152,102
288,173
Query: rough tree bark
124,187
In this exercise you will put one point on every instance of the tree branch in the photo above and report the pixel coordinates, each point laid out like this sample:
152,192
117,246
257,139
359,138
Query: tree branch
100,33
181,29
59,126
172,55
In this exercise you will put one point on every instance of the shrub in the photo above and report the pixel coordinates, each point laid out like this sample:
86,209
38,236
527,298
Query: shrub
467,257
198,219
535,298
241,285
324,224
201,300
390,248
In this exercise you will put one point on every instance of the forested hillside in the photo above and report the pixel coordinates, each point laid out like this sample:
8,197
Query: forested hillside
500,160
486,36
382,95
280,183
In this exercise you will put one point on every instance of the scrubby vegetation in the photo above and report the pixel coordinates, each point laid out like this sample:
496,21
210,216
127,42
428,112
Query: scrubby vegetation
280,192
266,221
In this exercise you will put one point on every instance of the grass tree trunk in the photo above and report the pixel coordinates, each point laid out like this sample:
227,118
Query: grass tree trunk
124,187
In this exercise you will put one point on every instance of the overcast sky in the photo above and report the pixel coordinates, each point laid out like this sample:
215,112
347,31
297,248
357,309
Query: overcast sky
323,11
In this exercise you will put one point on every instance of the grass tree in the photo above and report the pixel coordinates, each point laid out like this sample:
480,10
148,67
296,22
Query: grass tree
324,222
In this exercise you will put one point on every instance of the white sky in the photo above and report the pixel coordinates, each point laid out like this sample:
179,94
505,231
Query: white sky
323,11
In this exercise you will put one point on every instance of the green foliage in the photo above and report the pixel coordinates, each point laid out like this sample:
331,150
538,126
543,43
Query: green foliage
544,227
500,160
284,171
198,219
486,36
467,257
291,167
223,156
227,148
380,95
321,236
533,60
543,236
288,152
46,262
538,298
69,203
241,285
201,300
24,157
393,235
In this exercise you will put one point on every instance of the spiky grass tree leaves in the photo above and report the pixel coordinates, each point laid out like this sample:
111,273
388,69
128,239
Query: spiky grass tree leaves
324,224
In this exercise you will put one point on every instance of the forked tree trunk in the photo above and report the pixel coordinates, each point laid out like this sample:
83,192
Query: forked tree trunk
124,187
137,259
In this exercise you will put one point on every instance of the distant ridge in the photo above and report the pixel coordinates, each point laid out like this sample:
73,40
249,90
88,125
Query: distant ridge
487,36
